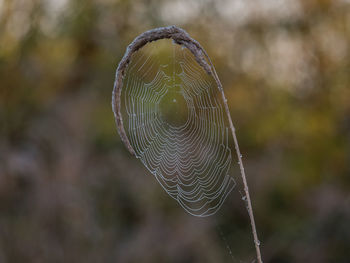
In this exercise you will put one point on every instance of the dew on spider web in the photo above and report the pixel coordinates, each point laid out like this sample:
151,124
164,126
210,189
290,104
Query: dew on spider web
175,122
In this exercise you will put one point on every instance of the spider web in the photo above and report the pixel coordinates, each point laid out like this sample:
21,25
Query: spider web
175,122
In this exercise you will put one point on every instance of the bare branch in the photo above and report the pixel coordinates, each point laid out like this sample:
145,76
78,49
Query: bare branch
180,37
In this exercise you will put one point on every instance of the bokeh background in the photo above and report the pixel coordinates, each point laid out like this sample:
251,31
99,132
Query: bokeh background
70,191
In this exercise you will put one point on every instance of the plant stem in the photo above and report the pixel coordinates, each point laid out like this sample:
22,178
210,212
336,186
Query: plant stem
180,37
246,190
240,162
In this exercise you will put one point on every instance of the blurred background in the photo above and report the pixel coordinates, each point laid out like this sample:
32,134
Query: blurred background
70,191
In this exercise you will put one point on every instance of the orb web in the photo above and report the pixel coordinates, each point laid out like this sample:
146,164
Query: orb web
175,123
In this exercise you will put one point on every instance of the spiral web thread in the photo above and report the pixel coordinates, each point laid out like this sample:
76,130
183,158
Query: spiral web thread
184,146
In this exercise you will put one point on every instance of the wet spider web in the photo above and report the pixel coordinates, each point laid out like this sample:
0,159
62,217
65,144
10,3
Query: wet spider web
175,121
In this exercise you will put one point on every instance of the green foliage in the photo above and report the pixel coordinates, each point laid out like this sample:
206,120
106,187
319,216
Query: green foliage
70,192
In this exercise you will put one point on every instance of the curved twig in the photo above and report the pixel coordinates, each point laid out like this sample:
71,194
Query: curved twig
180,37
